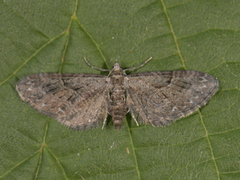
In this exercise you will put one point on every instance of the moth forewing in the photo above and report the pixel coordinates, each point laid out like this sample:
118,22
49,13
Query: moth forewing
83,101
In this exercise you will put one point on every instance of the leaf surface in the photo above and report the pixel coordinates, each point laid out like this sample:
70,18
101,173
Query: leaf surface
54,36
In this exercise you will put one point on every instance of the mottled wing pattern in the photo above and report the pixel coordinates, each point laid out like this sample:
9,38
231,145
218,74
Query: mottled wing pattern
76,100
159,98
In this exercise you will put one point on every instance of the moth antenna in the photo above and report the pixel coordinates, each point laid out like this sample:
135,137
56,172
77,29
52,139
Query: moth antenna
94,66
143,64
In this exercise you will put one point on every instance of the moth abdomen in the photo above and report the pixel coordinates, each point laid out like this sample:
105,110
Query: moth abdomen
117,106
118,109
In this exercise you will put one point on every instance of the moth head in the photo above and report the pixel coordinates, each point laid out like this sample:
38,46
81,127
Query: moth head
116,66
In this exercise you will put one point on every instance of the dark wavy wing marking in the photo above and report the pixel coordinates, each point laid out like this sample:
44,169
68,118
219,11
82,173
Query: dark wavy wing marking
76,100
159,98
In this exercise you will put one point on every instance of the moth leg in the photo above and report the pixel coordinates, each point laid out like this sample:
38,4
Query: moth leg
131,110
105,120
134,119
107,112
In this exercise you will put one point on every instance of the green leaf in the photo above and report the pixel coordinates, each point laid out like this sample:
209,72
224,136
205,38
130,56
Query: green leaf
54,36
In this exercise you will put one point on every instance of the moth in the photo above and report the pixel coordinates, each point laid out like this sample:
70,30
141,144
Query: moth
83,101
